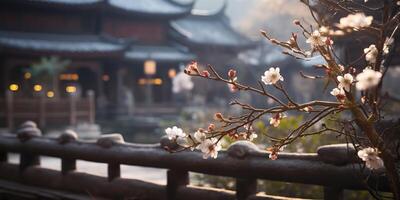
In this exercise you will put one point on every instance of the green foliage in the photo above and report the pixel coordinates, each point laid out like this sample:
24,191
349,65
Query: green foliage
48,68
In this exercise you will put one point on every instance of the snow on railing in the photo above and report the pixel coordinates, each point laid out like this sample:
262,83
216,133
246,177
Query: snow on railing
332,167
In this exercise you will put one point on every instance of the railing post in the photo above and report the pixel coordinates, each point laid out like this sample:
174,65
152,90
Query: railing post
245,188
67,165
176,179
3,156
92,108
114,171
10,109
333,193
26,132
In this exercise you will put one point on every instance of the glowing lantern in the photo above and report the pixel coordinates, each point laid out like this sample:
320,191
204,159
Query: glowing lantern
27,75
50,94
37,88
70,89
13,87
150,67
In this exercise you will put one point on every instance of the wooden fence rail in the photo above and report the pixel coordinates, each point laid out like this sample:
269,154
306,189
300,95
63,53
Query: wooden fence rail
66,111
332,167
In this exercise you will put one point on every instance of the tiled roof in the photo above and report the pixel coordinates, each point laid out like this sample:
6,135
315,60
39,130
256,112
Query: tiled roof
57,43
160,53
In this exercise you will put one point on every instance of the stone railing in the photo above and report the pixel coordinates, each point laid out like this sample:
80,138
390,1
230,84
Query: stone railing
331,168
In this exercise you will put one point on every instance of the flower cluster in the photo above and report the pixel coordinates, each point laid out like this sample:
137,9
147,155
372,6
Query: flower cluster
371,158
182,82
355,21
370,53
207,145
367,79
316,40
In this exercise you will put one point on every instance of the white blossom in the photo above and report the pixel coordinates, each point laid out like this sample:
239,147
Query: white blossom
272,76
339,94
174,132
370,157
370,53
182,82
345,81
209,148
251,135
358,20
316,40
387,44
200,136
275,120
367,79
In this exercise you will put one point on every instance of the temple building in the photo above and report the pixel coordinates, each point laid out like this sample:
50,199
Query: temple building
125,51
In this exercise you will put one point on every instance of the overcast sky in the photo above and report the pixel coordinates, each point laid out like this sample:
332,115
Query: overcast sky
249,16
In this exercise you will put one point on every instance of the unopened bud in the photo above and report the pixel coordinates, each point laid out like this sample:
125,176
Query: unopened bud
328,41
205,73
232,73
218,116
296,22
211,127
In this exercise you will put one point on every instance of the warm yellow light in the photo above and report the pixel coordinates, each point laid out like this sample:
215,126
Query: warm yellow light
105,77
13,87
70,89
142,81
37,88
157,81
150,67
50,94
74,77
171,73
27,75
69,77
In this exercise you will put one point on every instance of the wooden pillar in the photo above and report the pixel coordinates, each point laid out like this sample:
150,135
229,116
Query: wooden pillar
72,110
176,179
245,188
42,111
114,171
92,106
67,165
10,109
333,193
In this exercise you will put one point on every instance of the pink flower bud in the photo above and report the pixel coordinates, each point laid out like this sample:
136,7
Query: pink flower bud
232,73
218,116
205,73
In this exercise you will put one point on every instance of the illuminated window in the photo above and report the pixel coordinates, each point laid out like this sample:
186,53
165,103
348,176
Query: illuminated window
150,67
69,77
171,73
151,81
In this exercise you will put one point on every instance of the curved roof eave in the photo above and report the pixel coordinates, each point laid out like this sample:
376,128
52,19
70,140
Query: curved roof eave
155,8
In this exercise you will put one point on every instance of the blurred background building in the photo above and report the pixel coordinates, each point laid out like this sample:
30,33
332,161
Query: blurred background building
125,52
